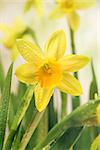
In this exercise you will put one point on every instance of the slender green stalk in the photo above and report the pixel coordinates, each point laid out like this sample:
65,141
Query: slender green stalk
30,130
63,105
75,99
74,119
19,115
40,132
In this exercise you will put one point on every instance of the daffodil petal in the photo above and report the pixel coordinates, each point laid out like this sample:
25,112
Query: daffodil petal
38,7
57,13
18,25
56,45
28,5
25,73
42,97
30,52
70,85
74,20
84,4
73,63
9,40
14,53
4,28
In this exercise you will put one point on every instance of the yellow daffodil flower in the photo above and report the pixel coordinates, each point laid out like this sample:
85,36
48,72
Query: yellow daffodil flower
69,8
11,33
96,143
50,69
36,4
98,114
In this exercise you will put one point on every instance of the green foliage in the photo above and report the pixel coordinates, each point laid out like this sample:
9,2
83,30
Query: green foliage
63,105
26,124
29,129
83,115
19,115
51,112
91,132
67,139
4,105
40,132
93,85
1,76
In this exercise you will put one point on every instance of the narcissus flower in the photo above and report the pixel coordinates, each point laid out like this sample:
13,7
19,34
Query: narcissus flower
36,4
11,33
50,69
69,8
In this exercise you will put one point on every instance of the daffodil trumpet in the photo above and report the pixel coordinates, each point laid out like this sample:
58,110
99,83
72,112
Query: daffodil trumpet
50,69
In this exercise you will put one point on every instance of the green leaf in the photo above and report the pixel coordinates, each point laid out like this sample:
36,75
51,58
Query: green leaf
67,139
4,105
11,110
75,102
83,115
2,77
30,113
93,86
19,115
15,101
52,114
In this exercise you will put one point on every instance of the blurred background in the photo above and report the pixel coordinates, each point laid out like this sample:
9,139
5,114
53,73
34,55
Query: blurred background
87,38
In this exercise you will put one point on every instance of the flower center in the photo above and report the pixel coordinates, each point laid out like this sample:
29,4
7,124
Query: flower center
49,74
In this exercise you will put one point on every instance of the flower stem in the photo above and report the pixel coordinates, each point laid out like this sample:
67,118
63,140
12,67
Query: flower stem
63,105
31,128
73,47
75,99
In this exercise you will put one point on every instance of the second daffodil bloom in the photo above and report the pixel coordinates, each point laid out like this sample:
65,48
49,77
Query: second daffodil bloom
50,69
11,33
69,8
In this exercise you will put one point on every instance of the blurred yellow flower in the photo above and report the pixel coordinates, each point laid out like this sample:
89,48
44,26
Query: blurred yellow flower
51,69
96,143
98,114
69,7
36,4
11,33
